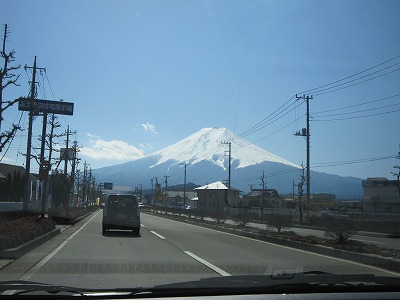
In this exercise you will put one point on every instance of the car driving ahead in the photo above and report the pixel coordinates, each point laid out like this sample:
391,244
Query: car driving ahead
121,211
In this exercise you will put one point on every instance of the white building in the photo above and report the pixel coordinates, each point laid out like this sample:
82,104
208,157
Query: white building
216,197
381,195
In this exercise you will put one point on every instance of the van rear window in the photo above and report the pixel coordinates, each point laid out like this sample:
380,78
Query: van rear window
122,202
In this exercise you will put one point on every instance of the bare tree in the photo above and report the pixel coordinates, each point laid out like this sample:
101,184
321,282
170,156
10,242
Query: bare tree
340,229
263,181
7,78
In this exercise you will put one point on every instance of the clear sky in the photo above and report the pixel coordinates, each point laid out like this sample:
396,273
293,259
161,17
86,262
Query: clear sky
146,74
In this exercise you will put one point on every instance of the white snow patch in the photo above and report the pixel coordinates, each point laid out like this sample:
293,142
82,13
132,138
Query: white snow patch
206,144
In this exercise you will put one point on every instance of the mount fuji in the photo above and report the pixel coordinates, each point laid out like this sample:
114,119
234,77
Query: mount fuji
205,154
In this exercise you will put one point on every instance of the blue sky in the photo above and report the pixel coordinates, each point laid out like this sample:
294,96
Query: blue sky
146,74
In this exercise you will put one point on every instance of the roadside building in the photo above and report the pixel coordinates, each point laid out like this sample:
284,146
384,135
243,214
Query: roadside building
381,195
266,198
12,183
216,197
321,201
176,198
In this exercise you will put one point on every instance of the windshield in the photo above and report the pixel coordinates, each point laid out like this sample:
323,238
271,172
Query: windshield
150,143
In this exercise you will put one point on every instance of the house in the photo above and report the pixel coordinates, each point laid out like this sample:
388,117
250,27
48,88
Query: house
266,198
175,198
381,195
216,197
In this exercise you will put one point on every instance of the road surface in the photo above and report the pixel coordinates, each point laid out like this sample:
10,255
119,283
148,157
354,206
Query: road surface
167,251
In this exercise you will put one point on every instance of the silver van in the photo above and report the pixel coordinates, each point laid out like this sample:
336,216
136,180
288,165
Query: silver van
121,212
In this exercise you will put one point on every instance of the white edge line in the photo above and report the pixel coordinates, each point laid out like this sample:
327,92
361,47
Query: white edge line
207,264
159,235
41,263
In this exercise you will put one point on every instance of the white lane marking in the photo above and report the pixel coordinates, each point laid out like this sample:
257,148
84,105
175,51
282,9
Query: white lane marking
159,235
298,250
41,263
142,225
207,264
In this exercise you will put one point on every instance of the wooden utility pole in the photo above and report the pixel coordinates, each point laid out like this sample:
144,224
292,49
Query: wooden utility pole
29,143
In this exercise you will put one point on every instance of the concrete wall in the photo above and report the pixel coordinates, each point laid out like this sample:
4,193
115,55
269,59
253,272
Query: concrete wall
10,206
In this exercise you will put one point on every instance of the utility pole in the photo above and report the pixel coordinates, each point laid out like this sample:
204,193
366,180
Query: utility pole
74,163
184,188
166,189
152,190
300,193
306,133
44,167
155,190
29,143
66,152
229,162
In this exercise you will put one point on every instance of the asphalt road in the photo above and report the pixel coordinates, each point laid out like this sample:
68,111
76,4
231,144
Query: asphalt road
166,251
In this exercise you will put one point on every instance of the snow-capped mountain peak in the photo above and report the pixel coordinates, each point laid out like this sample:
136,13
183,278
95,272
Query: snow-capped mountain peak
210,144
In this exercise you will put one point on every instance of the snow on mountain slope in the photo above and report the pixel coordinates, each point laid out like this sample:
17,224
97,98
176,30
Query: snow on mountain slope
206,144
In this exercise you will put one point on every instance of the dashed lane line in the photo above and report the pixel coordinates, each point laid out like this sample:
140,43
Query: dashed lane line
159,235
207,264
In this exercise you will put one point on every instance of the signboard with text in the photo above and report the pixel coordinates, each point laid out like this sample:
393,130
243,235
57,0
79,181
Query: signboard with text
67,154
47,106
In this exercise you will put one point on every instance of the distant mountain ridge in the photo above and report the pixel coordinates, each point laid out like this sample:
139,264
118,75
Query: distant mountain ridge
204,154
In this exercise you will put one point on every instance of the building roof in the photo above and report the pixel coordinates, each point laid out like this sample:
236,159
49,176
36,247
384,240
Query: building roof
218,185
6,169
266,192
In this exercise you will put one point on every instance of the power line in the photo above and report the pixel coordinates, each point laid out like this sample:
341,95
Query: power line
358,117
262,123
317,89
356,112
353,161
357,83
359,104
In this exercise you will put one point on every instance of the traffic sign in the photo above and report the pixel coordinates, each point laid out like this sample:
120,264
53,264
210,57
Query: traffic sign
47,106
107,186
